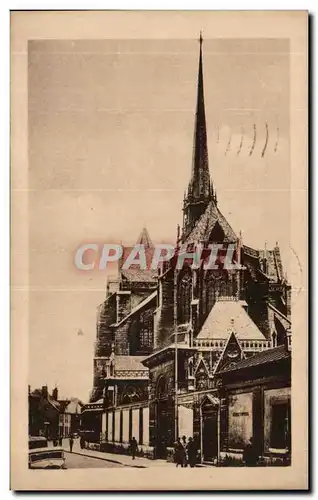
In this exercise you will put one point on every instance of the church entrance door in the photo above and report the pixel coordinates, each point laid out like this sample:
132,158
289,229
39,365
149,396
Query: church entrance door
163,417
210,428
210,437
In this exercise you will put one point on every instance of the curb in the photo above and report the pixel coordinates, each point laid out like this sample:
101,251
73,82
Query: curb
106,459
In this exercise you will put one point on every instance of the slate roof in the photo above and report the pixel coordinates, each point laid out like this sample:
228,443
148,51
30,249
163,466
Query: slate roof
129,363
219,322
56,404
139,275
269,356
144,238
206,223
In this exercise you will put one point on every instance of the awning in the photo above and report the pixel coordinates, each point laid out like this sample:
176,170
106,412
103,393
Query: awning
212,399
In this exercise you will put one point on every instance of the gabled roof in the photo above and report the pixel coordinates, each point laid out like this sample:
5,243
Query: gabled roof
227,316
54,403
206,223
144,238
211,399
269,356
231,343
202,362
129,363
135,275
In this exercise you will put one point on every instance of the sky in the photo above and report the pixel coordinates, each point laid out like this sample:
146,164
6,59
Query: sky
110,149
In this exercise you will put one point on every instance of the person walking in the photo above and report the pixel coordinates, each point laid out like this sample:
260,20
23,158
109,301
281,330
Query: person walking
178,453
82,442
184,456
192,452
133,447
250,457
71,443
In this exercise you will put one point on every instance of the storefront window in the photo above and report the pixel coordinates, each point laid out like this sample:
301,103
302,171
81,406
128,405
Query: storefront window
280,426
277,420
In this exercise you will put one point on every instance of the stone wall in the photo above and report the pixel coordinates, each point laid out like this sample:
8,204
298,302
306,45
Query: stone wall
165,311
121,424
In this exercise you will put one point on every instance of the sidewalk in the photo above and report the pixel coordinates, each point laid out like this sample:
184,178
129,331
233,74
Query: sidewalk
126,460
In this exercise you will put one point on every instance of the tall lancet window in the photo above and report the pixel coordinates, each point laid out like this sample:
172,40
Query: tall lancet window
184,296
146,330
210,291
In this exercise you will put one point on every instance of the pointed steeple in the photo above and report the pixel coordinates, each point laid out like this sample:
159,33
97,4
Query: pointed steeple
200,177
199,190
144,239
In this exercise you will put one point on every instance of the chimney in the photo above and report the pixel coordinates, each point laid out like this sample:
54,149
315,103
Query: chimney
55,393
44,392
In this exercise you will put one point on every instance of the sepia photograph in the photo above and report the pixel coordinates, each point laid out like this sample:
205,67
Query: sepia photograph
163,284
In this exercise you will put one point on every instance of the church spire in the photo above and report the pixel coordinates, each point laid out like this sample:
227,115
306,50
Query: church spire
200,177
199,190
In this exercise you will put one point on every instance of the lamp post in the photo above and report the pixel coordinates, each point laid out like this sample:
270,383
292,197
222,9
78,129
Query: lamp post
176,420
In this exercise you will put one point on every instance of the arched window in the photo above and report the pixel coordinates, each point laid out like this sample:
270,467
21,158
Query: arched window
146,330
130,395
184,296
217,234
161,387
210,291
190,367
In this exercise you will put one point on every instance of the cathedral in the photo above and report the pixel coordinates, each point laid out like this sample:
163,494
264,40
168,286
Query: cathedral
192,351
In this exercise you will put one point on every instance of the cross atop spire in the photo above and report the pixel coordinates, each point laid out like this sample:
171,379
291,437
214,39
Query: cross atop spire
200,39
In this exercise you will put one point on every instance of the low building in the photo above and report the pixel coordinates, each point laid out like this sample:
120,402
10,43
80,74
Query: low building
254,401
51,417
44,413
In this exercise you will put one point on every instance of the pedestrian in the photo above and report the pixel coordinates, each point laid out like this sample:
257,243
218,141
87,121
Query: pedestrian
250,457
71,443
178,453
133,447
192,452
82,442
184,456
